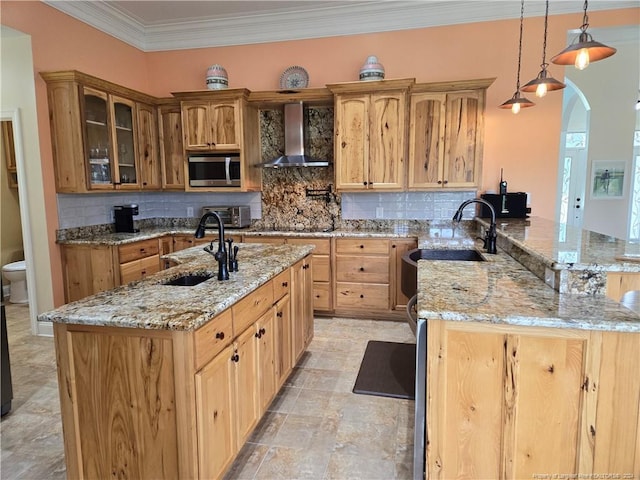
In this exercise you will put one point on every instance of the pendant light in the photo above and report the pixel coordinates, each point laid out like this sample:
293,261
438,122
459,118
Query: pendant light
543,82
517,102
586,50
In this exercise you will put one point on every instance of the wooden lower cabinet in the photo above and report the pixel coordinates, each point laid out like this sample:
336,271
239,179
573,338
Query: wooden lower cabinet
161,404
88,269
514,402
618,283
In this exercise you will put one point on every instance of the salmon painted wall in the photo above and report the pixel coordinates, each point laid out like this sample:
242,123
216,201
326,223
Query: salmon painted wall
525,145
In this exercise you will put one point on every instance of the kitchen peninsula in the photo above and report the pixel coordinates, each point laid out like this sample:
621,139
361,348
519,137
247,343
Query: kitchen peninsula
519,379
167,381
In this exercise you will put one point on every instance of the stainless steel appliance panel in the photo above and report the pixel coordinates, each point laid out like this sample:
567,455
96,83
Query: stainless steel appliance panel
232,216
214,170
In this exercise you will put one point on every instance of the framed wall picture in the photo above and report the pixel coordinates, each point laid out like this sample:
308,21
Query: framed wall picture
607,179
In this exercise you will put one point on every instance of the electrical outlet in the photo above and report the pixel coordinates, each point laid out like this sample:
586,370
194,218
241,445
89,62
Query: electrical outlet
379,212
189,211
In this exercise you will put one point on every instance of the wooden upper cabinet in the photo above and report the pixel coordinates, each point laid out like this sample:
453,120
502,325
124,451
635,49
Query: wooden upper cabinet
95,135
149,148
370,134
351,142
171,146
446,135
211,126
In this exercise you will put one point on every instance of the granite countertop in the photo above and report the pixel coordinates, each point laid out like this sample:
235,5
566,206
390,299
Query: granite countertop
568,248
502,291
149,304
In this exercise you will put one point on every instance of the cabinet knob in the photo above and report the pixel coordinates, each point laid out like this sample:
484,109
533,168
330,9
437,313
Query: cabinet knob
361,296
439,182
258,334
362,269
285,284
220,335
365,183
279,314
262,331
235,357
446,181
361,246
393,246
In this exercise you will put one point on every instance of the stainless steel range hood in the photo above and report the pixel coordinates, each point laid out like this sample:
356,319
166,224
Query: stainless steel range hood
294,141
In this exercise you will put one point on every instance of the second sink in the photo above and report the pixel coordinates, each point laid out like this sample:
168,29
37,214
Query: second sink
409,270
188,280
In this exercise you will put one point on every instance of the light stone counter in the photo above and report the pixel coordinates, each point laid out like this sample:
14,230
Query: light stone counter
502,291
150,304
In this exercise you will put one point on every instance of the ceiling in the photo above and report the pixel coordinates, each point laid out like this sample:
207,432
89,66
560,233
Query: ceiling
173,25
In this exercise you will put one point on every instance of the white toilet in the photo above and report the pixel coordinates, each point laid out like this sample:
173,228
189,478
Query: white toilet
16,273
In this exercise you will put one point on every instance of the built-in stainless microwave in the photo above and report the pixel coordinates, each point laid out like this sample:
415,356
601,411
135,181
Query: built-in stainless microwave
214,170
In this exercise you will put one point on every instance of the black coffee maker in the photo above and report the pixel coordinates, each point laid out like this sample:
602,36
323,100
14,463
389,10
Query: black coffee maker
124,217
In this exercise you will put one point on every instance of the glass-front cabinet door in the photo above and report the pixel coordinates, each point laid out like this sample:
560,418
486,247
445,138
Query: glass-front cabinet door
110,140
98,148
124,140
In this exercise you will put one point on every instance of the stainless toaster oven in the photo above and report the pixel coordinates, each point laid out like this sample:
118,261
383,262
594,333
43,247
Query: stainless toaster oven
232,217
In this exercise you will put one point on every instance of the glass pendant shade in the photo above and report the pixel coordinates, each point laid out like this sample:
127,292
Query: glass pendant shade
585,50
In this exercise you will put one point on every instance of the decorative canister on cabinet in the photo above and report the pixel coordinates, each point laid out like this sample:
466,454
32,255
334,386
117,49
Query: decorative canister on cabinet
217,77
371,70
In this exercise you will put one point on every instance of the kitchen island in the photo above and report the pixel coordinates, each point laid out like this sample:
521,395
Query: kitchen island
521,380
168,381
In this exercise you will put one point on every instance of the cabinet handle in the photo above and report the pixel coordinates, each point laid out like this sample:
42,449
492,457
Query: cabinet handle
220,335
235,357
285,284
143,272
142,250
279,314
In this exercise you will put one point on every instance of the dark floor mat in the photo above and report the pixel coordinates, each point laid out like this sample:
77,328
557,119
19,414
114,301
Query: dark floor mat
388,369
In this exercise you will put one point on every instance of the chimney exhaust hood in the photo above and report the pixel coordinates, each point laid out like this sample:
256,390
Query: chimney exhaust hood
294,141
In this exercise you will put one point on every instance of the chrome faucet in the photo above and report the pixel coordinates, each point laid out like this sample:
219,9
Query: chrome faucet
490,235
221,254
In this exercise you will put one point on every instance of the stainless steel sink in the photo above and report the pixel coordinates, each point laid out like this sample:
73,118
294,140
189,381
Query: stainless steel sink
188,280
409,269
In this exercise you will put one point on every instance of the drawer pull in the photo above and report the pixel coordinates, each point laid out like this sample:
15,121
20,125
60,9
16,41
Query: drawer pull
361,296
285,284
279,314
220,335
362,269
361,246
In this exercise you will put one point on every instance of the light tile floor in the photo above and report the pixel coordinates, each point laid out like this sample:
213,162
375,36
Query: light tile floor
316,428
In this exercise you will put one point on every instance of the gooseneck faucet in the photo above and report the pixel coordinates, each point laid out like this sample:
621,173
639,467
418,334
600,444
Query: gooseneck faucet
490,235
221,254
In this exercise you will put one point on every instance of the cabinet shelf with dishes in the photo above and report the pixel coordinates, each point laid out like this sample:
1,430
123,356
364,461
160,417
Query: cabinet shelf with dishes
95,133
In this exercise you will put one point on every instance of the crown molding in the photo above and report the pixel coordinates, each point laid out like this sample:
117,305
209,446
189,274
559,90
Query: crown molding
326,21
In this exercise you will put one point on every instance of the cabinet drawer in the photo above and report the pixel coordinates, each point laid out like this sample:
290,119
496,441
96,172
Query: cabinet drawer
362,269
212,338
269,240
321,268
322,296
362,296
362,246
323,245
138,269
134,251
251,307
281,284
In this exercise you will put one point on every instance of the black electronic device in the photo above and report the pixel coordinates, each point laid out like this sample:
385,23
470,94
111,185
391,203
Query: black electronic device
123,215
508,205
503,185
